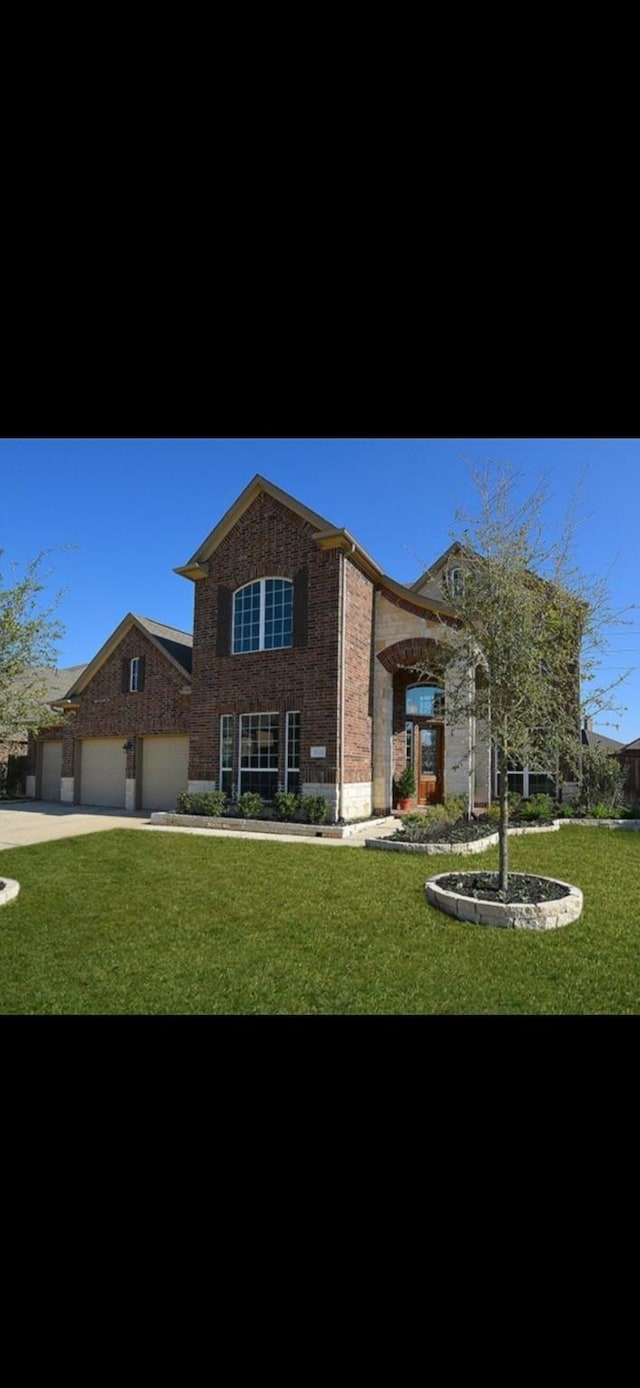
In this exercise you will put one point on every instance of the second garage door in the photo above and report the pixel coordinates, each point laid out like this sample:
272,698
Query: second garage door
165,770
102,769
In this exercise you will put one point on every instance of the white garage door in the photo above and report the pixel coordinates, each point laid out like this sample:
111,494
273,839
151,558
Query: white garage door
165,770
51,770
102,768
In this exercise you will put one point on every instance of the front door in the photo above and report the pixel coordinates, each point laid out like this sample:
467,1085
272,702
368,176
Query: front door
429,746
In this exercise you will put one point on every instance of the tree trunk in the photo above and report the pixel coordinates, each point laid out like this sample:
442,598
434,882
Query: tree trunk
504,820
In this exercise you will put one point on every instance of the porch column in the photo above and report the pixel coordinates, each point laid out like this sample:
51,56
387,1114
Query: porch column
383,729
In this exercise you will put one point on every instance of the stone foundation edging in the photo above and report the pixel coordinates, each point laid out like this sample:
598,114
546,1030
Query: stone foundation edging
433,849
264,826
602,823
543,915
479,845
9,890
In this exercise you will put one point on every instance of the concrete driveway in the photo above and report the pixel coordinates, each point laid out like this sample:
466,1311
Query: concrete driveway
22,824
39,822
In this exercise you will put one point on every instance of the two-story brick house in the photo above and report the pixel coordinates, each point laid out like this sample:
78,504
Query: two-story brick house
301,674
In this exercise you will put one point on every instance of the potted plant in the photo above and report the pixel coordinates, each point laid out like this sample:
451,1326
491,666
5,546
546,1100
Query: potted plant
405,787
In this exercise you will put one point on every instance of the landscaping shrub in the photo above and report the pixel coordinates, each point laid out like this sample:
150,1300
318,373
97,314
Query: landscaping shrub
603,781
433,830
536,807
630,812
456,807
250,805
14,773
405,785
285,805
315,809
211,802
435,814
420,830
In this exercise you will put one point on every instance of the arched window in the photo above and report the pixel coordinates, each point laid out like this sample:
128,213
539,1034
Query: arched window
455,583
425,701
263,615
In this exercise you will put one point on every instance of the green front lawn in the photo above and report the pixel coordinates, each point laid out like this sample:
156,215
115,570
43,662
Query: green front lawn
137,922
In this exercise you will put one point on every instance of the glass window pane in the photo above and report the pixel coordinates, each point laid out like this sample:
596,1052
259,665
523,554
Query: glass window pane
428,751
425,701
270,602
293,741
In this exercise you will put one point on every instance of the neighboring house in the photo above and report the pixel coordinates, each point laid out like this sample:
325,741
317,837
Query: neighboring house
628,754
590,738
630,757
51,685
303,677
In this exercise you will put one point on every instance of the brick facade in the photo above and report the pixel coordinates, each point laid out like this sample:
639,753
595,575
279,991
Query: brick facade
354,711
106,711
268,540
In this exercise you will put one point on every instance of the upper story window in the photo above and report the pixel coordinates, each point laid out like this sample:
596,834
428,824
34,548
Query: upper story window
133,675
455,583
263,616
425,701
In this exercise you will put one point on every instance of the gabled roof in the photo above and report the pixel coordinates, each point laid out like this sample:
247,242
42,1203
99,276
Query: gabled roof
327,537
435,568
178,644
257,485
632,746
608,744
175,645
48,684
53,683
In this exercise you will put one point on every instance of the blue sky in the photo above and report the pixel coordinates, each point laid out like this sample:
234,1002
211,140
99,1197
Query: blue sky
137,508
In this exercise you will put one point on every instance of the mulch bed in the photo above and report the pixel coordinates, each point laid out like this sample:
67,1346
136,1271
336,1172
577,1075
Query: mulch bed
485,886
463,831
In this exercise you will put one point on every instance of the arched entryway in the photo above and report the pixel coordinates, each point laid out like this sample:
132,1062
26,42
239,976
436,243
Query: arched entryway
418,720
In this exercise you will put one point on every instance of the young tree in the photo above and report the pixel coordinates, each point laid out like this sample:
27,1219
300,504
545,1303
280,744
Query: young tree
531,627
29,636
603,779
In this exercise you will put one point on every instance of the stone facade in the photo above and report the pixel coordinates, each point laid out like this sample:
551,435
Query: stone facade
357,794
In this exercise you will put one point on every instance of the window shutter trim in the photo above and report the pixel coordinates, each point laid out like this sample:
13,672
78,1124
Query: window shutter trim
300,606
223,636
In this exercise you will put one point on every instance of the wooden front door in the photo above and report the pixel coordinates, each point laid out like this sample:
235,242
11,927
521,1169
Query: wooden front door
429,760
